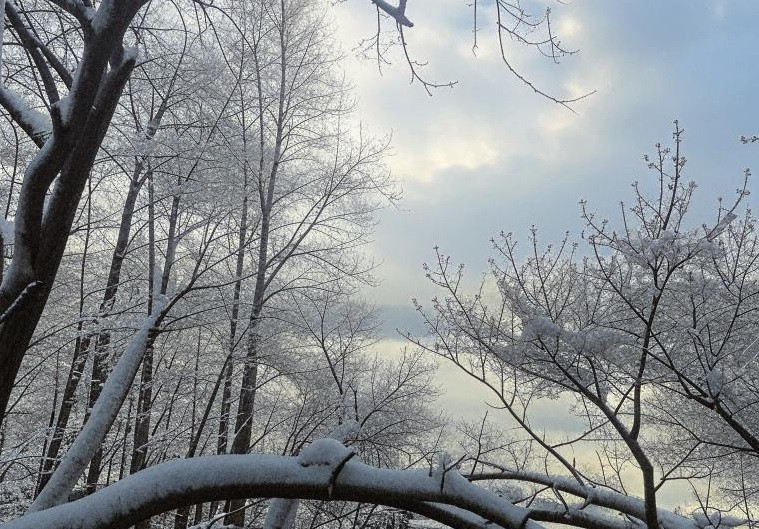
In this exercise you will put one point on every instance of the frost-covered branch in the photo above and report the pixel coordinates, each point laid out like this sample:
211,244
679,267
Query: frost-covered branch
43,219
325,470
649,339
282,511
597,496
397,12
78,9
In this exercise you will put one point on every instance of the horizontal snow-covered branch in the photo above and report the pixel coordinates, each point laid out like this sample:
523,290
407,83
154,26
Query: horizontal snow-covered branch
592,495
325,470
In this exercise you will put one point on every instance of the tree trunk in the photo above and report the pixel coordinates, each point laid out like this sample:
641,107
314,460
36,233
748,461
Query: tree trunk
226,396
245,407
69,153
99,368
104,413
67,403
144,407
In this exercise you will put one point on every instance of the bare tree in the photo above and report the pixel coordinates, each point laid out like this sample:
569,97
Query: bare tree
312,189
515,25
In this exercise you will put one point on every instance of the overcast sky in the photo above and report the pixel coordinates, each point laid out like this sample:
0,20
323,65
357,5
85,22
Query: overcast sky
490,155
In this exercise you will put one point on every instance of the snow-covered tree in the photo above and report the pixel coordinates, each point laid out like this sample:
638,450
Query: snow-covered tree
647,329
133,124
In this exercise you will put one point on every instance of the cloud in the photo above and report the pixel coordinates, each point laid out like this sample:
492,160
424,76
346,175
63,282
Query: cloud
489,155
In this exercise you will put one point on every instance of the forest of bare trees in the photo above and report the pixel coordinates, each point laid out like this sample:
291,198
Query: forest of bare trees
185,339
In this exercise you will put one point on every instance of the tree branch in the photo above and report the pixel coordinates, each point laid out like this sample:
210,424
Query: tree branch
182,482
398,13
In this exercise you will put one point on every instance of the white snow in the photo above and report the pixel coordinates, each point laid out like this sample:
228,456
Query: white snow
722,225
716,519
324,452
310,475
104,413
35,120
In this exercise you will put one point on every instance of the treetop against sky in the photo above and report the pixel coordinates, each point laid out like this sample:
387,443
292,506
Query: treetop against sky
486,156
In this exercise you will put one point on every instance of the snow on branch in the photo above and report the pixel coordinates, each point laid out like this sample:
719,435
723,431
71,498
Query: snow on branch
593,495
398,13
83,13
326,471
103,414
28,290
281,513
36,126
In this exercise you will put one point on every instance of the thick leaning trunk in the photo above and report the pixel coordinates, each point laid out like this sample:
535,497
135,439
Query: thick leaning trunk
330,472
15,333
103,415
101,341
283,511
41,232
100,364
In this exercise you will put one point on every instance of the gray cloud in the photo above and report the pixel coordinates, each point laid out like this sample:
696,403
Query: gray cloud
489,155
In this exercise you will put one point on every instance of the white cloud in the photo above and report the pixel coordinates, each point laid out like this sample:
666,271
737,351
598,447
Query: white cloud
569,27
446,143
719,11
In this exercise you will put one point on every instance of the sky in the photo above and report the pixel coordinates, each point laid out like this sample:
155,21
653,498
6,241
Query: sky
489,155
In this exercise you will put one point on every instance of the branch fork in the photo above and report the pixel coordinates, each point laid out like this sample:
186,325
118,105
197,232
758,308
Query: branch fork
397,12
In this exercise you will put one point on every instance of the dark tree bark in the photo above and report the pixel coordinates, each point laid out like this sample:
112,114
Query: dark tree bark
41,232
